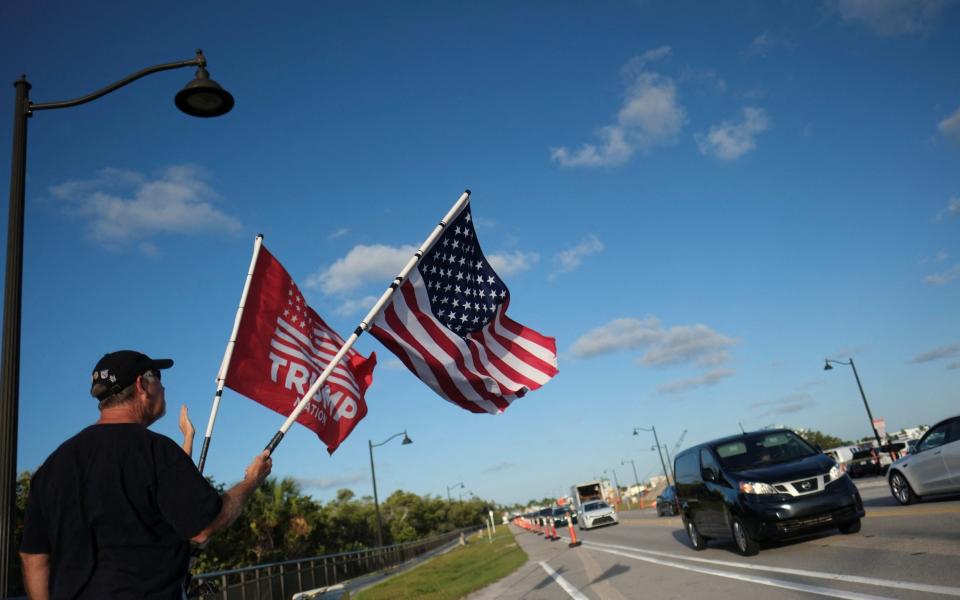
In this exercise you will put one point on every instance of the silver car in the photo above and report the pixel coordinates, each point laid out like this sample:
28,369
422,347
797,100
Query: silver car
932,468
596,513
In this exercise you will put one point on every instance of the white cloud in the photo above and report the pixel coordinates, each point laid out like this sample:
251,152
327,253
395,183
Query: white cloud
338,233
689,343
952,209
784,406
363,264
354,306
124,207
943,278
697,344
328,483
707,379
505,263
950,127
892,17
763,44
619,334
729,140
937,354
650,116
571,258
393,364
497,468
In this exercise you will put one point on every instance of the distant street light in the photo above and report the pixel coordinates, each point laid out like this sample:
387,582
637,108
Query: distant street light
373,476
637,430
201,97
633,464
450,487
876,434
616,483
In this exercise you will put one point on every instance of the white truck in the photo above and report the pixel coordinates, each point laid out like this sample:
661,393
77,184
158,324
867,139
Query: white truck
585,492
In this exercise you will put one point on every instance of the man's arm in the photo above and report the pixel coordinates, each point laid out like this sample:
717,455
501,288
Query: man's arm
234,498
36,575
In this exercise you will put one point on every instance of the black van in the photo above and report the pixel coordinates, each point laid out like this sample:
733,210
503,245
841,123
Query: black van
762,485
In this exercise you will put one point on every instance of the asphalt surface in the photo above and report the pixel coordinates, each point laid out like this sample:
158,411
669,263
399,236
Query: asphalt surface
901,552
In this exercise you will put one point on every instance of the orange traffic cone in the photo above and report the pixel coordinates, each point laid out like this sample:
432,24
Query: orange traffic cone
573,536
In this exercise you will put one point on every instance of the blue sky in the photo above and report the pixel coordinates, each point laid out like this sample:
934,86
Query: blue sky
699,202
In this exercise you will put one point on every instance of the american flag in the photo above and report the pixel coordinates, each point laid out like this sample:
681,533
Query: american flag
447,323
282,347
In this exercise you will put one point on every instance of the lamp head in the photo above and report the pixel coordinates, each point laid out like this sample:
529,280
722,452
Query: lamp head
406,439
203,97
827,366
635,431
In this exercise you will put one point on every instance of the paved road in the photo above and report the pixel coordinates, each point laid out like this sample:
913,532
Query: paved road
901,552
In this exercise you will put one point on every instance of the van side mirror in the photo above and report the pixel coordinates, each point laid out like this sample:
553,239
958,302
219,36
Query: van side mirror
708,474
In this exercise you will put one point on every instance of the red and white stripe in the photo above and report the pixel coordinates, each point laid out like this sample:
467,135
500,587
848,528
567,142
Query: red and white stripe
289,342
483,372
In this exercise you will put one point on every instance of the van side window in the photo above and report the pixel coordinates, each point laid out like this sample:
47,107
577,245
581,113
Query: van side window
954,431
688,468
935,437
708,461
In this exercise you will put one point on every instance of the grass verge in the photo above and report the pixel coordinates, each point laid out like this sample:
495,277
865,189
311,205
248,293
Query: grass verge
455,574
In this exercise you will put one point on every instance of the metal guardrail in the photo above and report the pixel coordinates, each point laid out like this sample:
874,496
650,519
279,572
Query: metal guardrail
280,580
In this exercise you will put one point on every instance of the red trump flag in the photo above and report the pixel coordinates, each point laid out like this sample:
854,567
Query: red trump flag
282,347
447,322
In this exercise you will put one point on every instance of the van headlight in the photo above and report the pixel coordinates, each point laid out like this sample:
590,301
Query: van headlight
753,487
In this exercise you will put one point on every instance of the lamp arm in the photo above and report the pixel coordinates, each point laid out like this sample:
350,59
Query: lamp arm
396,435
199,61
849,363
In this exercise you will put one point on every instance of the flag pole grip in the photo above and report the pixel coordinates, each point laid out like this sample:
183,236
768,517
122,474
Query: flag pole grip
203,454
274,442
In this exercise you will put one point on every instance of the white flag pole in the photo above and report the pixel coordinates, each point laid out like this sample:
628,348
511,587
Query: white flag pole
228,353
365,323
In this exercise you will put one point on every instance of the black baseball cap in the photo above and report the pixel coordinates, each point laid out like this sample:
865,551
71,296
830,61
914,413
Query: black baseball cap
121,368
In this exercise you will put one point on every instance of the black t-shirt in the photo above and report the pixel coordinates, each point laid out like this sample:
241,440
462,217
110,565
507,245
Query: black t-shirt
115,506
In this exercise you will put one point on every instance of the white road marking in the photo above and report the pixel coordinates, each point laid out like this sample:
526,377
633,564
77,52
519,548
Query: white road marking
888,583
779,583
566,585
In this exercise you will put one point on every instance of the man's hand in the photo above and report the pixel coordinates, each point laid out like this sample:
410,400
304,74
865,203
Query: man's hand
234,498
186,428
258,470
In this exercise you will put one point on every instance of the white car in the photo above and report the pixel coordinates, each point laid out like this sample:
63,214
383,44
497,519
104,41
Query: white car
933,467
596,513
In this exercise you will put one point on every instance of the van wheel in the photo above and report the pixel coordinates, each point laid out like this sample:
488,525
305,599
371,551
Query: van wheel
696,540
901,490
746,545
851,527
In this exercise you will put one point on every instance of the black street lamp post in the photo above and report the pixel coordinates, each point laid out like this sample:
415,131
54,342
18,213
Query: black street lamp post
634,465
637,430
876,434
450,487
201,97
373,476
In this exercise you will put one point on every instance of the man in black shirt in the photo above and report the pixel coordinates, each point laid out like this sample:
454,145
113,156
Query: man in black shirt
113,510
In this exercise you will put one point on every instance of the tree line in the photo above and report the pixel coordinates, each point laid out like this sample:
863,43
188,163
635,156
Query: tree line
280,522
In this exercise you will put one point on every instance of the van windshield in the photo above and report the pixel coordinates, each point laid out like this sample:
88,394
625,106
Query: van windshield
762,449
